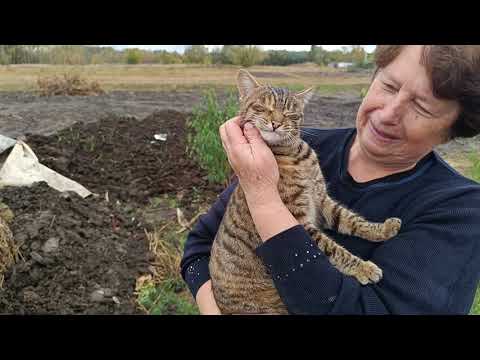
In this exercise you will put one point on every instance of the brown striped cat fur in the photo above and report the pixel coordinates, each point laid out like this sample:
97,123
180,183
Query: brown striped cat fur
240,282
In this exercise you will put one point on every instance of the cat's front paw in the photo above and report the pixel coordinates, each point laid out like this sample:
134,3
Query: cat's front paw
368,273
391,227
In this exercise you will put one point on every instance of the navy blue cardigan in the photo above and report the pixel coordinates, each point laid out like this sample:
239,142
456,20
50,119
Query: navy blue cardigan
431,267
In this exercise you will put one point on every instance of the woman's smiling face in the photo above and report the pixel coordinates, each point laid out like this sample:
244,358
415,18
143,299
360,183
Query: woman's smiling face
400,120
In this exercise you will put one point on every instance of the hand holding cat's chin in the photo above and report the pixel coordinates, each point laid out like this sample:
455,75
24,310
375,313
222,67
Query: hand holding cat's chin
250,157
258,174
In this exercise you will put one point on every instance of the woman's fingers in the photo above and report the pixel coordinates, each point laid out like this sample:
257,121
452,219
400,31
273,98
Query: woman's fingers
223,138
234,132
226,145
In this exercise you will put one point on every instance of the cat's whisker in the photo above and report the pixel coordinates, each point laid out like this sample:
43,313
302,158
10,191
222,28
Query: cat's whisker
307,132
290,139
306,128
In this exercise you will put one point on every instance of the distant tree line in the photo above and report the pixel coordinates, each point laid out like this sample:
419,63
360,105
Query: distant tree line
243,55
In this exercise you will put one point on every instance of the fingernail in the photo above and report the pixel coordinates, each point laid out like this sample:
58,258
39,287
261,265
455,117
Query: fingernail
248,126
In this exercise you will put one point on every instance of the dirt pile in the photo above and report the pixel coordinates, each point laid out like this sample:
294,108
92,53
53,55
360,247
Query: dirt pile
81,256
121,156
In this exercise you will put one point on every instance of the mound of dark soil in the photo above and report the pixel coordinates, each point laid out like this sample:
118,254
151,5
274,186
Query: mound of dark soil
81,256
122,157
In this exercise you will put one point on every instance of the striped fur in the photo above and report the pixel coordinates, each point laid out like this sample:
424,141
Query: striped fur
241,283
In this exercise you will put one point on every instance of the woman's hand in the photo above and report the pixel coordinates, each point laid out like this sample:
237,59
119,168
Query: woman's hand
205,300
251,159
258,175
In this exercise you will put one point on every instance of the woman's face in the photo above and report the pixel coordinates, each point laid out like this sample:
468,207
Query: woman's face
400,120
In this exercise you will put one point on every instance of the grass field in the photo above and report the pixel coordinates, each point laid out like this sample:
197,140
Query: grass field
182,77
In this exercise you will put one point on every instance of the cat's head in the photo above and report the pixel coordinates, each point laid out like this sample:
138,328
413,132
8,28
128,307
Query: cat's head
276,112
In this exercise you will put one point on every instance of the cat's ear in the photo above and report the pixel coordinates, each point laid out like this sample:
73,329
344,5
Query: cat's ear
305,96
246,83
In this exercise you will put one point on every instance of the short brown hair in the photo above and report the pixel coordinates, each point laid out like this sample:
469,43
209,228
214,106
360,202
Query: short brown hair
455,74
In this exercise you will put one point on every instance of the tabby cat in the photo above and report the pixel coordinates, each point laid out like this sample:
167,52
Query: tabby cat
240,281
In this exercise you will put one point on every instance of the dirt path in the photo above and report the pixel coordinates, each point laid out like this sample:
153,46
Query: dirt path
25,112
22,113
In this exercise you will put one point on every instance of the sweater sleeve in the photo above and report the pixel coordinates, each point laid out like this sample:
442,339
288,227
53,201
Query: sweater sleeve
431,267
196,256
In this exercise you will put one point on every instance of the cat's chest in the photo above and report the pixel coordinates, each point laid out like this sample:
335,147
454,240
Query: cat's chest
292,171
295,181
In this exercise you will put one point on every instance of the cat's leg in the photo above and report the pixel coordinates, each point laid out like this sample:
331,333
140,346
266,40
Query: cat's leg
364,271
347,263
345,221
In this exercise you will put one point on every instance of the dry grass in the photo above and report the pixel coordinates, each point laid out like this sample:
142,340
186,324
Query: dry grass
68,84
168,253
9,252
180,76
164,292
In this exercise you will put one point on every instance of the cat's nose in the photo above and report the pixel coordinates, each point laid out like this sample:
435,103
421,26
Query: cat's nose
275,125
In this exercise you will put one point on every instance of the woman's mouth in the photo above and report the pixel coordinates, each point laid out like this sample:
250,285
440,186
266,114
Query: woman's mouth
382,136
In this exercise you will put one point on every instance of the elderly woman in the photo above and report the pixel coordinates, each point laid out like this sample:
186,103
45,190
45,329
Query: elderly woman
420,97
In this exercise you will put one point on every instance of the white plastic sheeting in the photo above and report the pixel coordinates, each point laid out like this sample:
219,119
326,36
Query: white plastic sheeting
22,168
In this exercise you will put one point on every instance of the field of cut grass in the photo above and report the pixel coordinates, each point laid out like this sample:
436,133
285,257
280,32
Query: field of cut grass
184,77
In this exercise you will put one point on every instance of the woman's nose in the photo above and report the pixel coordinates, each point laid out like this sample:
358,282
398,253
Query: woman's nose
394,109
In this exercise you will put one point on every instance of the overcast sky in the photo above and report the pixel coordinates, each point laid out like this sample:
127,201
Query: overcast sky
180,48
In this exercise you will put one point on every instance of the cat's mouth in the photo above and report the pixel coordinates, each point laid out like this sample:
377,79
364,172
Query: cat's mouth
270,136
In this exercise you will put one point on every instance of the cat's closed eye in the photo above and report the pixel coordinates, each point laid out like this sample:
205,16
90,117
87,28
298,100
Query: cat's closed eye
293,117
258,107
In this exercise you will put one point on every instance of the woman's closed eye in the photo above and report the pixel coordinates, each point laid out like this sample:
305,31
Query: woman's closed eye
422,110
389,87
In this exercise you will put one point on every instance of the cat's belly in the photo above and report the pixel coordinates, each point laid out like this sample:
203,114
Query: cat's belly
240,282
